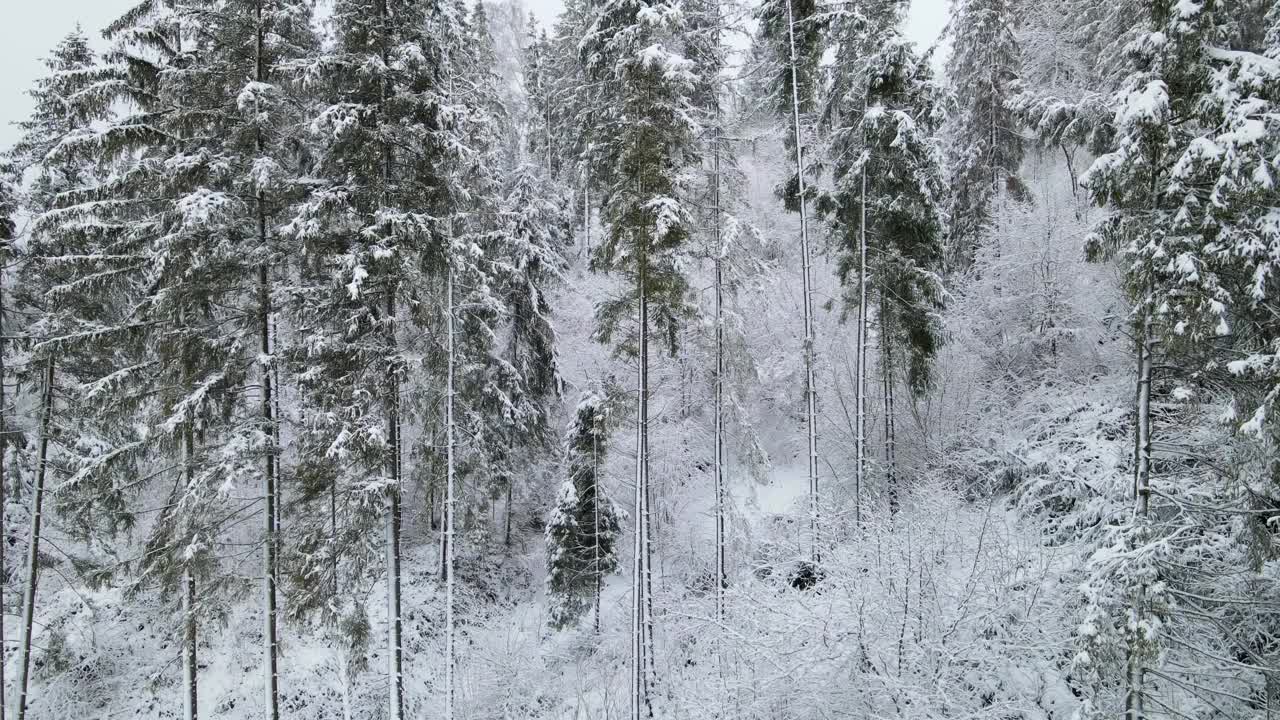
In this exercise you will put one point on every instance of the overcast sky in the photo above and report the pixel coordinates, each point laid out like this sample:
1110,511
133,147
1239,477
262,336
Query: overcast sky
29,29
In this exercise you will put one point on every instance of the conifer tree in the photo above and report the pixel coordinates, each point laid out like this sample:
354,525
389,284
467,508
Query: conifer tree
885,211
634,51
203,164
584,527
985,147
514,227
529,260
376,239
1157,140
63,326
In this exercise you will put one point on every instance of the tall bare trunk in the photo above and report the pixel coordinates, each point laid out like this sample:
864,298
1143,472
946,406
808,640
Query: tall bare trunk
721,573
4,443
190,697
586,222
890,444
270,541
641,627
33,543
450,501
395,624
395,627
595,513
1136,673
810,389
860,441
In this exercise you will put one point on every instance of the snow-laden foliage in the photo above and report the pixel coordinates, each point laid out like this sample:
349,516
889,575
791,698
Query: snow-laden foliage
583,527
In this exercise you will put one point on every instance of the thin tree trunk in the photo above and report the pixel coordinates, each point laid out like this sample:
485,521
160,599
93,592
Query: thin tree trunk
810,389
33,543
891,423
595,508
271,545
395,637
395,627
886,368
641,628
860,441
721,574
1136,672
517,327
449,504
190,697
4,443
510,487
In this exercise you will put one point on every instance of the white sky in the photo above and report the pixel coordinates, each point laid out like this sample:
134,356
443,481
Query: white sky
29,29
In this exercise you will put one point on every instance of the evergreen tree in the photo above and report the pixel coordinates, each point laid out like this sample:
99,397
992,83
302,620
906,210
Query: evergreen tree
784,23
375,234
1159,138
634,51
203,161
528,262
71,331
584,527
985,146
886,215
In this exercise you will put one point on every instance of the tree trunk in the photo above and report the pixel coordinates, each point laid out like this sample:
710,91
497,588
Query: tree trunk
890,446
395,638
721,578
191,708
449,504
595,508
4,444
1136,673
395,627
271,544
810,389
511,481
33,543
586,223
641,618
860,441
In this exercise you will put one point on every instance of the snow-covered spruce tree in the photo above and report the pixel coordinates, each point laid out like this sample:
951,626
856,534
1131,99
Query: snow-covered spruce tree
259,39
203,165
886,216
65,101
791,40
535,231
791,35
564,96
141,275
512,231
855,34
1158,134
584,527
508,28
1227,237
984,145
634,51
376,242
539,83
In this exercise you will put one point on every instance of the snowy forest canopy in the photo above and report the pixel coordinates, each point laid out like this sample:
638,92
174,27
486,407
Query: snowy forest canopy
385,359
